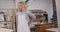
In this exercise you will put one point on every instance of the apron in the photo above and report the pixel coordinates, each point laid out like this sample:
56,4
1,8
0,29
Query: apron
22,24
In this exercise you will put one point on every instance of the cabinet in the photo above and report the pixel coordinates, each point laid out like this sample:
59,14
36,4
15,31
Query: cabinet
6,25
42,27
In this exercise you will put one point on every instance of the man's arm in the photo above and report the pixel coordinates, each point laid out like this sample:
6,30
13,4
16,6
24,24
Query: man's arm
32,16
32,20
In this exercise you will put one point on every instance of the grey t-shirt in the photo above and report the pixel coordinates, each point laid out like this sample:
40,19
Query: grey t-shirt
28,14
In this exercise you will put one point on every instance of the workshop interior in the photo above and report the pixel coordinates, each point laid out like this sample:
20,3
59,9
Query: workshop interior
45,12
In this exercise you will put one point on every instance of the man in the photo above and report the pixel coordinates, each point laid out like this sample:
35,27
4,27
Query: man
22,12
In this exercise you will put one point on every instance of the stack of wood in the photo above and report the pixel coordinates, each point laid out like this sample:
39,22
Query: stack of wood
5,30
41,18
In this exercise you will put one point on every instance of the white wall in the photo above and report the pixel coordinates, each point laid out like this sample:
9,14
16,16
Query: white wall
6,4
45,5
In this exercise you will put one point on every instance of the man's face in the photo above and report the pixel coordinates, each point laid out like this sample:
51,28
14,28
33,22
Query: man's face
20,6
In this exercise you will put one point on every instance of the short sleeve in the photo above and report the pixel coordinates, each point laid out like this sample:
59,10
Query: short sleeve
30,14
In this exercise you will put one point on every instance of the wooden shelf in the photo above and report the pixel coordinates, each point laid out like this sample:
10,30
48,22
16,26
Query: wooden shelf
41,28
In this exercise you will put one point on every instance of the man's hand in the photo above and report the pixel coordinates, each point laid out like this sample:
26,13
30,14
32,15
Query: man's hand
29,22
32,20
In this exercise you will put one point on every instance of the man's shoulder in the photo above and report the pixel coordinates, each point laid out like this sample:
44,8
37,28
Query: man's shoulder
28,11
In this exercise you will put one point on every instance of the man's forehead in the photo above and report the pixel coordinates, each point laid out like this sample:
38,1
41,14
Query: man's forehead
20,4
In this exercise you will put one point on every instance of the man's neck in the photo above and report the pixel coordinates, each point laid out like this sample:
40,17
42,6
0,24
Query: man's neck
20,10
